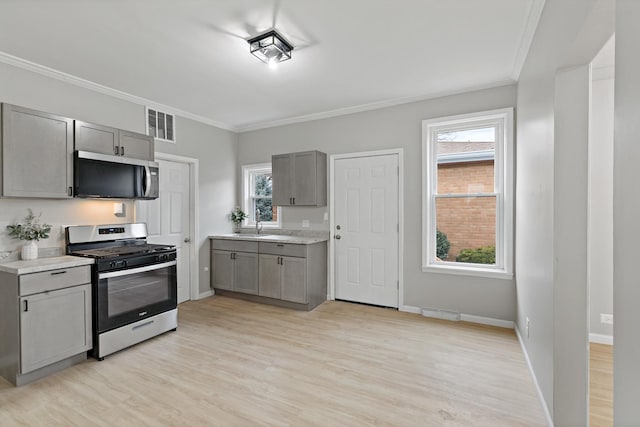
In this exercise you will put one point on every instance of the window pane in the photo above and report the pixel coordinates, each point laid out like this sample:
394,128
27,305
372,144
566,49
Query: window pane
268,212
262,184
466,161
161,125
466,229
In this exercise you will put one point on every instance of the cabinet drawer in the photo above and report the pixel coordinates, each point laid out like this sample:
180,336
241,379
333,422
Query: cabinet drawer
284,249
54,279
234,245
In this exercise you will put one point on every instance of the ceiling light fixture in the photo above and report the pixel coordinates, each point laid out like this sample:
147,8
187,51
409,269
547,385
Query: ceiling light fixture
270,48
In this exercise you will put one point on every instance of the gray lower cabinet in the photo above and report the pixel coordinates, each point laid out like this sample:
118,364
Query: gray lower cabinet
287,274
37,154
283,278
47,322
234,271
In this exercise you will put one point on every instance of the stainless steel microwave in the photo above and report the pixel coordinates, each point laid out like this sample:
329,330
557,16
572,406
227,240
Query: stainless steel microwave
114,177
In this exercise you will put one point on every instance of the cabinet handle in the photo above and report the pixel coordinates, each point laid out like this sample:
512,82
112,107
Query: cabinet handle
70,191
279,260
116,150
26,305
294,200
122,151
55,273
280,245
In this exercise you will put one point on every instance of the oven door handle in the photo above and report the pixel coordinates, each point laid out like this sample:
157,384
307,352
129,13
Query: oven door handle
129,271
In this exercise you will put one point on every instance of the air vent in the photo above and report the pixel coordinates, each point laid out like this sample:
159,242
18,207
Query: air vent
161,125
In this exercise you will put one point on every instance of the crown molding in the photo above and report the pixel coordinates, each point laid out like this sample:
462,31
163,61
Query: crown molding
77,81
367,107
533,18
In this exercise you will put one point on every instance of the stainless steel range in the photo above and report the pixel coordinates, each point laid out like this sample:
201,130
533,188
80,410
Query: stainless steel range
134,284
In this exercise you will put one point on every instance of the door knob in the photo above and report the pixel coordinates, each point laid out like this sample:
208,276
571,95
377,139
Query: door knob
187,239
337,236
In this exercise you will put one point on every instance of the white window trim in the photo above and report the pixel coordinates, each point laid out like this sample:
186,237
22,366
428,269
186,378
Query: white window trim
247,206
503,182
146,121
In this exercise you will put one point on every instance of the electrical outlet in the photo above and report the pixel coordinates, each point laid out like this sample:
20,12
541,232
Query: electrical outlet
206,269
607,319
326,216
527,327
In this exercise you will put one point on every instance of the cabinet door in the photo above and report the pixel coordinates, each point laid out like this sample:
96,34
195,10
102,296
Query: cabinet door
245,273
222,270
282,176
53,326
270,276
136,145
294,279
37,153
96,138
304,179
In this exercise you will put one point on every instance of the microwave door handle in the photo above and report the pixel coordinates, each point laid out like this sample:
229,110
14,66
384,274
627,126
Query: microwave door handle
147,181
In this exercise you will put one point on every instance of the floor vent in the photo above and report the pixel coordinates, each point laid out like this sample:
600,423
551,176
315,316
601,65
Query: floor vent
440,314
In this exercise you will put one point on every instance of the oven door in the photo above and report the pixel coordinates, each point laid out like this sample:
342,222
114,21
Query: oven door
129,295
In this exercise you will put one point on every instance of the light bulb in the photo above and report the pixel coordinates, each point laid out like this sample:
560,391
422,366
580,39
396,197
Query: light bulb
273,63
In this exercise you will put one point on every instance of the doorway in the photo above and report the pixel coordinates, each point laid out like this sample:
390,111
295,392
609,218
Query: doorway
600,240
366,227
171,218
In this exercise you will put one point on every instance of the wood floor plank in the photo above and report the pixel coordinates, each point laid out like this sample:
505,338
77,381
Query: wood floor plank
600,385
237,363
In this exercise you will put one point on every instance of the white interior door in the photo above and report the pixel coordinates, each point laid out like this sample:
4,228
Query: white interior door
366,218
167,218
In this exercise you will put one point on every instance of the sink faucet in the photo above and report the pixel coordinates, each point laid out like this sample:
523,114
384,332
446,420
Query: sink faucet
258,225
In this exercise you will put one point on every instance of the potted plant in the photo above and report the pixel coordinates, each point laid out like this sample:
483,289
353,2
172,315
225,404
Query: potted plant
237,216
31,231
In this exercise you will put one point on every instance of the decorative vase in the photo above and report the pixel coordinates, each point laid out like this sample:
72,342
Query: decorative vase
29,250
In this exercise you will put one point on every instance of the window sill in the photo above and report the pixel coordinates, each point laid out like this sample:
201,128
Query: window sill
488,273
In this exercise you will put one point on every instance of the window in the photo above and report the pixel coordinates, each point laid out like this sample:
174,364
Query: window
257,195
161,125
467,204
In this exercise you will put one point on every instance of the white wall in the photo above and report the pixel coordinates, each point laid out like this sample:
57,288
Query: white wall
626,215
394,127
569,33
215,148
601,205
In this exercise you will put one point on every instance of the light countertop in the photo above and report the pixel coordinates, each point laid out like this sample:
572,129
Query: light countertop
44,264
271,238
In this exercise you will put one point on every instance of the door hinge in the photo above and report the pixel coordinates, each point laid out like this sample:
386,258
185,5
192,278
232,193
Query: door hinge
398,284
398,227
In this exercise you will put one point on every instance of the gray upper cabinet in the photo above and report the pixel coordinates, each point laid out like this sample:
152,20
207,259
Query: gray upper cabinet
136,145
96,138
115,142
299,179
37,154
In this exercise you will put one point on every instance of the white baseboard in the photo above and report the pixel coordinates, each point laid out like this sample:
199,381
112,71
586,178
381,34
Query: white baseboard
409,309
487,321
601,339
535,380
464,317
206,294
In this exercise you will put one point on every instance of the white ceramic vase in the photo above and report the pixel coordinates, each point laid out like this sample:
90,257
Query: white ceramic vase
29,250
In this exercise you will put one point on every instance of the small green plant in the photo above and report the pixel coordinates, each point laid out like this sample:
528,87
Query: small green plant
442,245
483,255
237,216
32,229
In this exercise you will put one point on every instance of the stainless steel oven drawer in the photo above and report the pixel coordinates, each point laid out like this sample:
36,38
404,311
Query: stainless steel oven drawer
54,279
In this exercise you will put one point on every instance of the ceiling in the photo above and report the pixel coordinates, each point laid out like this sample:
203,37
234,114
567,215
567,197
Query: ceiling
192,55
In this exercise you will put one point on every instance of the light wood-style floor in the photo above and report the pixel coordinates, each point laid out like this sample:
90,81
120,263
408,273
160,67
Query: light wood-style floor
600,385
237,363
